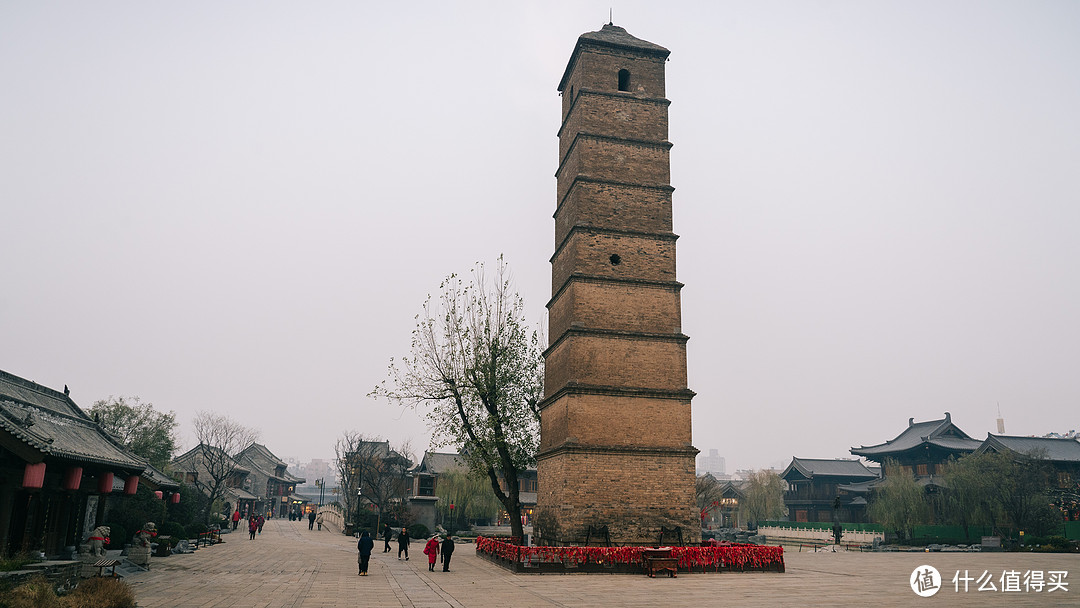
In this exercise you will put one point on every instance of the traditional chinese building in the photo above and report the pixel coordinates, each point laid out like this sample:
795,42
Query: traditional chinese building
58,470
615,439
814,489
923,448
724,511
198,466
423,502
1062,455
380,474
271,482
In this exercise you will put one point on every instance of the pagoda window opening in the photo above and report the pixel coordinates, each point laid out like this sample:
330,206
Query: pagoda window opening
624,80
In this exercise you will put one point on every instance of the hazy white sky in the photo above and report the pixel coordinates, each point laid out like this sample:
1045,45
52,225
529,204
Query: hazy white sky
240,206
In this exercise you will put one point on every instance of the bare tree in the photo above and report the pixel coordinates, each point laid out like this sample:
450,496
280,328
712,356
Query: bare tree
480,370
378,470
348,474
764,496
708,492
219,437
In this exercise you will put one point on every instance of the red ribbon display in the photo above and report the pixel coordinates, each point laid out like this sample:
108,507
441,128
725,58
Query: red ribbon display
736,557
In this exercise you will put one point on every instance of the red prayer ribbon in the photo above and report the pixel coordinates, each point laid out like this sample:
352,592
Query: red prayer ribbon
734,556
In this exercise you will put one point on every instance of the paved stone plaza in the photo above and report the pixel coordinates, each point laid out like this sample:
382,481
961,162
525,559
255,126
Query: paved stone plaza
288,565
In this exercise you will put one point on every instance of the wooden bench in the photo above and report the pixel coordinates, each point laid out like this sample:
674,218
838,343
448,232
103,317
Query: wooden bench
659,560
101,564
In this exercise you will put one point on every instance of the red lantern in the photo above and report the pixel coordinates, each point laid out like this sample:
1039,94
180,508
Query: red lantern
176,498
159,495
131,485
73,478
34,475
104,485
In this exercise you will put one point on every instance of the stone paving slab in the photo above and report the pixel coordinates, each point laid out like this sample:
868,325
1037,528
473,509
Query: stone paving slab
288,565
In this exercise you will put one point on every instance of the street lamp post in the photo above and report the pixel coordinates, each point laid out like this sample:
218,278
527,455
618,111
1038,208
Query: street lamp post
358,495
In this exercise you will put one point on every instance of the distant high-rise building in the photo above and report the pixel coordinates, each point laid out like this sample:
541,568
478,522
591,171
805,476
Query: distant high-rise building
713,463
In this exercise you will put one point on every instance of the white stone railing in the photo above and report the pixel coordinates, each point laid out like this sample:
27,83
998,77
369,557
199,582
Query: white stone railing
812,534
332,517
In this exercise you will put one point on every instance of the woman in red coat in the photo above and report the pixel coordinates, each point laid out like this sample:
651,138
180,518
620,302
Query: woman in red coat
431,550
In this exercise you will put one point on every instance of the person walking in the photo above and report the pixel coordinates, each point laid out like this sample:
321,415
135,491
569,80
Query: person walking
387,535
253,527
318,522
431,550
403,544
311,520
235,518
447,552
364,546
261,521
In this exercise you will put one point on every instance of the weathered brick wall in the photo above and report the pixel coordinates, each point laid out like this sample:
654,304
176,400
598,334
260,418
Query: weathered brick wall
588,252
598,69
606,489
629,361
616,114
590,419
615,306
615,206
602,158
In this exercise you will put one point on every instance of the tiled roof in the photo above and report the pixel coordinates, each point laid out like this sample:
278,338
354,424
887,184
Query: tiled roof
65,435
159,479
942,433
1055,450
263,461
189,461
14,388
613,35
290,478
438,462
836,467
860,487
240,494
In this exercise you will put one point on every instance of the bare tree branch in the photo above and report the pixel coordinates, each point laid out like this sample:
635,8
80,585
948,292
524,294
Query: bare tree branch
479,372
220,438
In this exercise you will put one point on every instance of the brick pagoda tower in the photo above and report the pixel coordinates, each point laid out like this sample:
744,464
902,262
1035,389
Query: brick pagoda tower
615,444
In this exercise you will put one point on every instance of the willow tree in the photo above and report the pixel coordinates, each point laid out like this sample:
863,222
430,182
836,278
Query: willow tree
899,502
763,497
477,370
464,496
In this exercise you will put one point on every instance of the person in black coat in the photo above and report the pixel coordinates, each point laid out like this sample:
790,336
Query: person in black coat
311,520
403,544
364,546
447,553
387,535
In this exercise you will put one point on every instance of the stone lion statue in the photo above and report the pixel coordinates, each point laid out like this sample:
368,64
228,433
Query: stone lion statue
97,540
139,553
144,536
